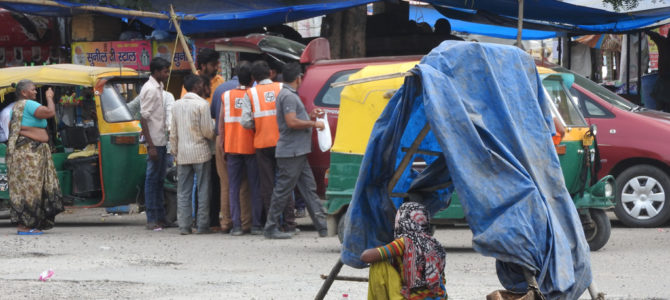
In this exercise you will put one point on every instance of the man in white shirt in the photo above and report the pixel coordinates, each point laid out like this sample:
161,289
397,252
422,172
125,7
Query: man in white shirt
153,113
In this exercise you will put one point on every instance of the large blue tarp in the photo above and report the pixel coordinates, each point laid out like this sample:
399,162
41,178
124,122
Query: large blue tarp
492,123
237,15
212,15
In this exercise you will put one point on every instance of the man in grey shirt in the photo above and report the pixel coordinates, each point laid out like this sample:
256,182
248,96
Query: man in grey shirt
295,142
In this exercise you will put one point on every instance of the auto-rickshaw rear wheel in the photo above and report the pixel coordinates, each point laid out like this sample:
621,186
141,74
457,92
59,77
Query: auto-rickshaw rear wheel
597,231
340,227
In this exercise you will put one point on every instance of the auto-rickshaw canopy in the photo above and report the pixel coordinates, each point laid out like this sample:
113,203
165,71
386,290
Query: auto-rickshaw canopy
478,116
61,74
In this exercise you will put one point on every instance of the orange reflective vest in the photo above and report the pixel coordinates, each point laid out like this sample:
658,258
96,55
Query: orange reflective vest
263,97
237,139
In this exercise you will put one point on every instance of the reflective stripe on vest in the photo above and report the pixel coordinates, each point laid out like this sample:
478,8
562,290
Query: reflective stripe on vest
263,100
237,139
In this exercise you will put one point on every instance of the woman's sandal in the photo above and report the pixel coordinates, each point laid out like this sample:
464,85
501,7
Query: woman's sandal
29,232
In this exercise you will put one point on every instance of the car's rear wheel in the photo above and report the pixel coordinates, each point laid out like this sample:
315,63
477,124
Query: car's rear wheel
643,196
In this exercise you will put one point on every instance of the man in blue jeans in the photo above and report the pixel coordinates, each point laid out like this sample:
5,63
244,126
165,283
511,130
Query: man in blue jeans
154,114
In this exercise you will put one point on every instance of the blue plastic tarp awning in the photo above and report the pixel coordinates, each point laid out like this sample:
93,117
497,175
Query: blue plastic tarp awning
237,15
559,15
211,16
488,116
430,15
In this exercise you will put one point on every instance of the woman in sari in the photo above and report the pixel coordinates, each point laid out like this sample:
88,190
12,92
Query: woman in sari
34,192
412,265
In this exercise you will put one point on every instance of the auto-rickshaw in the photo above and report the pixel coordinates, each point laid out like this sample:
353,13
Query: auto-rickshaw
94,139
362,103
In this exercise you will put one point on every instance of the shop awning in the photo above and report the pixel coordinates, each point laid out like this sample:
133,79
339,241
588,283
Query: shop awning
552,15
210,16
236,15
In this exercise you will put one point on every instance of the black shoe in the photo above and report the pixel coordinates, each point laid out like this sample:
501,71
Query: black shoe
300,213
203,231
237,231
256,230
323,233
277,235
185,231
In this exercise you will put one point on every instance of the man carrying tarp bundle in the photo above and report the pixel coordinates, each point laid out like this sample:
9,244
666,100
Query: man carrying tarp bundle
481,109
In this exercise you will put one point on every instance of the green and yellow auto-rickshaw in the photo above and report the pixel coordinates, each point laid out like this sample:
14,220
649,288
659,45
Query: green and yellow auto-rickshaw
362,103
94,139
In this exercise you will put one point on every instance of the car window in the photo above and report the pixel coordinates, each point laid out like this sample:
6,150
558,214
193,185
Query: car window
600,91
590,108
563,101
593,109
330,97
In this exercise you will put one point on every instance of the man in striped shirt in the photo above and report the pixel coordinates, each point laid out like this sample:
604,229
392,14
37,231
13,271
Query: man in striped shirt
191,135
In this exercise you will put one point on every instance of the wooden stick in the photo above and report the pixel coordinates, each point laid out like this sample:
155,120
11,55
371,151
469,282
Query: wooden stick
329,280
346,278
134,13
408,157
184,45
371,78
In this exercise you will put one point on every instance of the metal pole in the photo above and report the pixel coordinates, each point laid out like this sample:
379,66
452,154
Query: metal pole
560,51
519,25
329,281
569,52
627,64
639,65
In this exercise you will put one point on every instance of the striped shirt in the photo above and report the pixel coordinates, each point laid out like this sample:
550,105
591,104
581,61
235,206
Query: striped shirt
192,130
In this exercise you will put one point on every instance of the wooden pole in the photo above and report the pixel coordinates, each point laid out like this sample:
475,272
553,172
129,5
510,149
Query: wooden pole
180,36
102,9
329,280
519,25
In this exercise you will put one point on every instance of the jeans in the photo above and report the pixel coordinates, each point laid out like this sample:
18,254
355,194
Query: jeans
184,190
237,164
292,172
153,186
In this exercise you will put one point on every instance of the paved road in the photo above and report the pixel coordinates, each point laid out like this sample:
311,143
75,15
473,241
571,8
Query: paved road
114,257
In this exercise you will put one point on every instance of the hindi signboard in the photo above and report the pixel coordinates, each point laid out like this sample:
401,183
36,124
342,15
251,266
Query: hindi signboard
131,54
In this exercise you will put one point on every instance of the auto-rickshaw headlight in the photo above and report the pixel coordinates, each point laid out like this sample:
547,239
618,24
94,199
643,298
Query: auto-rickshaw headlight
609,189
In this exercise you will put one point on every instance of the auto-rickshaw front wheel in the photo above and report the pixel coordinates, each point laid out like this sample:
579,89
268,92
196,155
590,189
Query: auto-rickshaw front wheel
598,230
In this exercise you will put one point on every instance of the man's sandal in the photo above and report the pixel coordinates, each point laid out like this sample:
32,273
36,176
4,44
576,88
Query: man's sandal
29,232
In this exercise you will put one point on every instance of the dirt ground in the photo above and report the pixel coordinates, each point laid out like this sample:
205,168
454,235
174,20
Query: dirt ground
100,256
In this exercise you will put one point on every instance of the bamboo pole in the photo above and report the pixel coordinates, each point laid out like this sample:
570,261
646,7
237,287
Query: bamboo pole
181,38
102,9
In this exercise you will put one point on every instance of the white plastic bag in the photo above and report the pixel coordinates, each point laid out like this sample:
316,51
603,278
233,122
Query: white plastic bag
325,140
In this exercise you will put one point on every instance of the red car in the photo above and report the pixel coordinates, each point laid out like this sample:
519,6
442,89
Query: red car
634,145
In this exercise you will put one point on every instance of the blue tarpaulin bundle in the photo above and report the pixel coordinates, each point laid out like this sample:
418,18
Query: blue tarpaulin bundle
489,117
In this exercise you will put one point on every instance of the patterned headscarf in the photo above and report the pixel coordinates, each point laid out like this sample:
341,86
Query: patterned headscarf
423,257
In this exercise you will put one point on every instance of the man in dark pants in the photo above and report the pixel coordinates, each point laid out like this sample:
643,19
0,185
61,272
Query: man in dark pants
259,113
240,154
295,142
